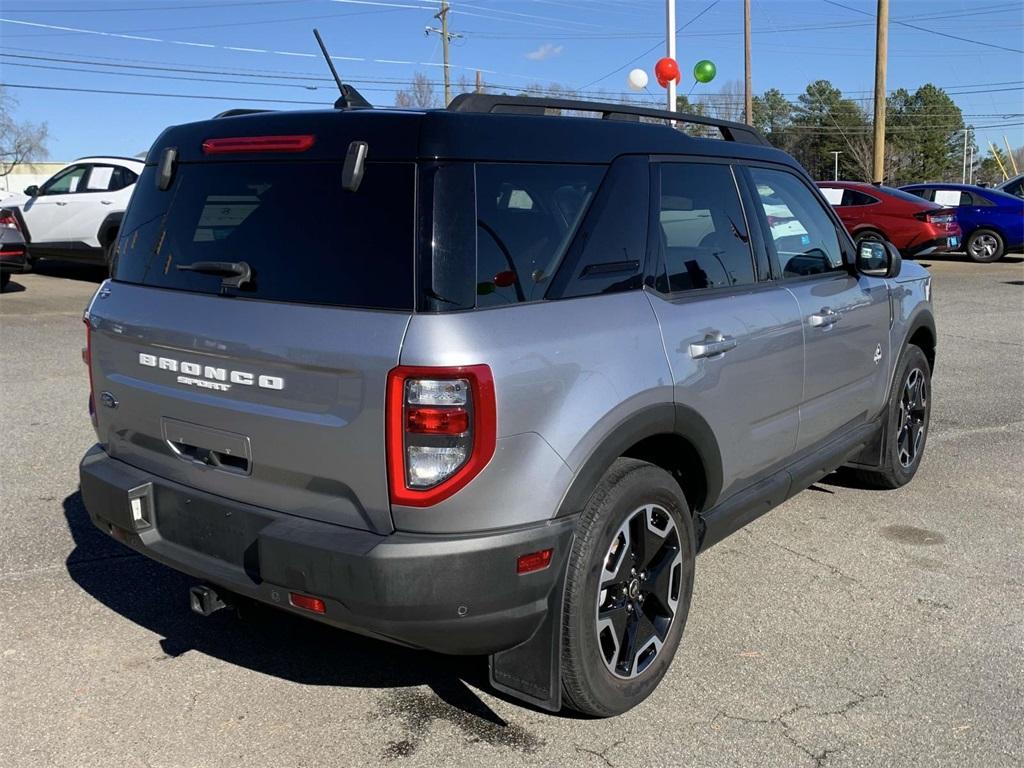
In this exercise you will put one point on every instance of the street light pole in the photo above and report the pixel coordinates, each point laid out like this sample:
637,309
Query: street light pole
835,176
670,37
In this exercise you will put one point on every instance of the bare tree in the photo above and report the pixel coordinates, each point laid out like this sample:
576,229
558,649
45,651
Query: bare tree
727,104
420,94
20,142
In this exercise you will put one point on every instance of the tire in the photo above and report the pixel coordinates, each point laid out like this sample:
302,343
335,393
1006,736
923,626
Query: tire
637,508
907,421
985,246
5,278
108,256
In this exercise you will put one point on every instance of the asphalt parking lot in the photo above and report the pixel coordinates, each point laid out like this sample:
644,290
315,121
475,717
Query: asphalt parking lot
846,628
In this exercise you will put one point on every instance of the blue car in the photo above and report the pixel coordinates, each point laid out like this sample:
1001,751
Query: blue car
992,222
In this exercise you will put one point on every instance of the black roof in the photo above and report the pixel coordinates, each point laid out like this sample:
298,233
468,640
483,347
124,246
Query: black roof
470,134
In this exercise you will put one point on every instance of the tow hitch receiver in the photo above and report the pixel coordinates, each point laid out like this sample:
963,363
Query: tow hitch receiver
204,600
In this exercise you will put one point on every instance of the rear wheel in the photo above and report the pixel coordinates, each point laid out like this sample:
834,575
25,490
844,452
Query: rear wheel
628,589
985,246
907,427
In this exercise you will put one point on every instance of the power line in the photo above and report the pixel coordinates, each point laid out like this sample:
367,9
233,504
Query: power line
653,47
930,31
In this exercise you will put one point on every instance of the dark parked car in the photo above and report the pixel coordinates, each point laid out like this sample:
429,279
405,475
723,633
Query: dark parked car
874,212
992,221
12,248
1014,186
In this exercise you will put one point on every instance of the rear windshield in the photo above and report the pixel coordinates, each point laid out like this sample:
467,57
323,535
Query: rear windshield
304,238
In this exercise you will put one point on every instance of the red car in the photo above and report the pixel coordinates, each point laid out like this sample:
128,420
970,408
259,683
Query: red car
872,212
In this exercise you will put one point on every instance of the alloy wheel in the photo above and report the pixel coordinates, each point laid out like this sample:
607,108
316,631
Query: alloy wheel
638,591
984,247
913,417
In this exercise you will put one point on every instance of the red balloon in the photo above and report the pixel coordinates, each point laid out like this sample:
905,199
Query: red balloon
665,71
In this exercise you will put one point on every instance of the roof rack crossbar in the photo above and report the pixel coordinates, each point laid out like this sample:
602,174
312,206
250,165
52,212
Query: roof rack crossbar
533,105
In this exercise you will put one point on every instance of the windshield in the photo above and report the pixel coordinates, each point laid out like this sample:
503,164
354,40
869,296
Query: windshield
304,238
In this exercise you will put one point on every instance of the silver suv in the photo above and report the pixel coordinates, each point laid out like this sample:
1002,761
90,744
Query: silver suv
485,380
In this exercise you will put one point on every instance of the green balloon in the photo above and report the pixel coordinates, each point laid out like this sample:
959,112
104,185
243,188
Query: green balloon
704,71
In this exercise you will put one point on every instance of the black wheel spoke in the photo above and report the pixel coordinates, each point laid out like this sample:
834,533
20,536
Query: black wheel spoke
618,616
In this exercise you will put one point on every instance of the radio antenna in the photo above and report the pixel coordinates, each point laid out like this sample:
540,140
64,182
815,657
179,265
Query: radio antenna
350,98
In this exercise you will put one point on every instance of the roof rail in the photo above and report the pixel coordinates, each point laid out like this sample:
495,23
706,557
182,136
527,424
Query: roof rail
532,105
241,111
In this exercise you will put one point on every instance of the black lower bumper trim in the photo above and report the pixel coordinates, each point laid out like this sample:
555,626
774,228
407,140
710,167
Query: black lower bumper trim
452,594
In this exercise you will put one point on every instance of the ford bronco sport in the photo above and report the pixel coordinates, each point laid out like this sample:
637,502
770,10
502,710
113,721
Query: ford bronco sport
484,380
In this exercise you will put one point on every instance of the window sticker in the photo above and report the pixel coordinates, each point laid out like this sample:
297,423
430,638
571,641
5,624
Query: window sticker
834,195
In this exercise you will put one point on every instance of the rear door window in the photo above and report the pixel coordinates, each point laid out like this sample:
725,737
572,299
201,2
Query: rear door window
303,236
527,215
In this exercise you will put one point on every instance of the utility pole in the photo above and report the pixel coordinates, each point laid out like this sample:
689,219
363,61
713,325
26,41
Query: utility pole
446,38
1009,154
963,176
835,176
970,166
670,38
748,87
479,83
881,62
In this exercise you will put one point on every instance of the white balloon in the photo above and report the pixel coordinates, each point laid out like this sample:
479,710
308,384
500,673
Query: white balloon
637,79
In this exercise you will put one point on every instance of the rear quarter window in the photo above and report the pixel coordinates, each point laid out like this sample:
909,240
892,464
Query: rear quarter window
305,238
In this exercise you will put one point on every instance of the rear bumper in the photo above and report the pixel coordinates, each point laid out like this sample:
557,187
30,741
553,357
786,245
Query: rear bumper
943,244
13,262
457,595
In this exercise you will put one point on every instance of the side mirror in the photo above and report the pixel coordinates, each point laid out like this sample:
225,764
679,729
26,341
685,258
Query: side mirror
878,258
32,191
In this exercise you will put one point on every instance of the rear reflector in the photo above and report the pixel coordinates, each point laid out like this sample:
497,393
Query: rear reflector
535,561
314,604
258,144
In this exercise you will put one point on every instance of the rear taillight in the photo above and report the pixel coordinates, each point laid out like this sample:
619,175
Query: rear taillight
441,430
295,143
87,359
8,220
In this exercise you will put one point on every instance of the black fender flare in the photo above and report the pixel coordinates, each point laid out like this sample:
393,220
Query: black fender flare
661,419
109,228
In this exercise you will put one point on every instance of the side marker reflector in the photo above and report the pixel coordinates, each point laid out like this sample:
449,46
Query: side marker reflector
535,561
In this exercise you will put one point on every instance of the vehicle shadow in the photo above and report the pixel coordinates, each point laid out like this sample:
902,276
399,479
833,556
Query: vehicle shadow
1010,258
276,643
13,287
91,273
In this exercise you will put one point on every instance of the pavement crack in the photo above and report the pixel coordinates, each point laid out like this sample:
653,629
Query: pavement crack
835,571
602,755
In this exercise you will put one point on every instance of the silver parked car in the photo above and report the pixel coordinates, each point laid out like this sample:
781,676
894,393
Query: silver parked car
485,380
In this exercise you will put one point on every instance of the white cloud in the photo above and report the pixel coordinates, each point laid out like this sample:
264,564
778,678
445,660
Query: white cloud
546,51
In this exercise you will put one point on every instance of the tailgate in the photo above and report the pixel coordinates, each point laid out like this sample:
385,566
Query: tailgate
274,404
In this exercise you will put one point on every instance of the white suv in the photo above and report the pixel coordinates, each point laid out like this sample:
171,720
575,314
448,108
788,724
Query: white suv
77,213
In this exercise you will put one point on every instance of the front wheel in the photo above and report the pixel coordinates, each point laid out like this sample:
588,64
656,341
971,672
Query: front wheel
906,429
628,589
985,246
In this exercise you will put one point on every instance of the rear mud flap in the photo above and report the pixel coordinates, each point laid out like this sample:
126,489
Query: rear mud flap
532,671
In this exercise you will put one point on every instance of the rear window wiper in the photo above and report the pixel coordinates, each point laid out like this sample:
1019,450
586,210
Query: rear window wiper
236,274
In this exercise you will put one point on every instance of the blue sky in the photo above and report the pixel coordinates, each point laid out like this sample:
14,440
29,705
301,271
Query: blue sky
264,49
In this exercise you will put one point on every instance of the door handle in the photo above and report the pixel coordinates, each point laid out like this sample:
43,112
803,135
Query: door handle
60,203
106,202
826,318
713,345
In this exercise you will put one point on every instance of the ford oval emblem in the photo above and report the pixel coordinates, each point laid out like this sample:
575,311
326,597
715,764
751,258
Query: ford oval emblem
108,400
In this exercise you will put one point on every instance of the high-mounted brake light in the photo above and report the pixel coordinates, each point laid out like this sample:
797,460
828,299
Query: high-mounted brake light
297,143
441,430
